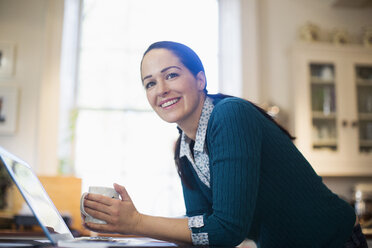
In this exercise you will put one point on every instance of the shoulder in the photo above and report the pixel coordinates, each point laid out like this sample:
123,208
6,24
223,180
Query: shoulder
236,115
233,106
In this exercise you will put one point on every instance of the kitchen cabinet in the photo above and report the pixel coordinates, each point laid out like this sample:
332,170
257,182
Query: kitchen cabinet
332,92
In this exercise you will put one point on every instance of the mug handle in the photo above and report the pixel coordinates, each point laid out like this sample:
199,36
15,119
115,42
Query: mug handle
82,205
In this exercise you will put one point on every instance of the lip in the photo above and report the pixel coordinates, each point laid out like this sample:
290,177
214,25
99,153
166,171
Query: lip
167,100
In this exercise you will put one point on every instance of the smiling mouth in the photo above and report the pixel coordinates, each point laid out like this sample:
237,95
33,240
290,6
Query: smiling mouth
169,103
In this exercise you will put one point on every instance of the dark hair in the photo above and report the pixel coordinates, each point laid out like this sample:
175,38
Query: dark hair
185,54
193,63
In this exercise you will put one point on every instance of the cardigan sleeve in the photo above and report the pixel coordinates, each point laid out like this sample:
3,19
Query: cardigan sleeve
234,142
196,203
197,206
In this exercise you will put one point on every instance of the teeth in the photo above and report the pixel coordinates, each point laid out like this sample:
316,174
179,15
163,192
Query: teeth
166,104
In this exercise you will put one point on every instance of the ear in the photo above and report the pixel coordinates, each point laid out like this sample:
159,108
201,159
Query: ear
201,80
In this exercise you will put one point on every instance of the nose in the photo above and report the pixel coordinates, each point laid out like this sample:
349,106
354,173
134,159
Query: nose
162,89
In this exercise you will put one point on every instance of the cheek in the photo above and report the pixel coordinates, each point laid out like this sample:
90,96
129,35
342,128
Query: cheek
150,98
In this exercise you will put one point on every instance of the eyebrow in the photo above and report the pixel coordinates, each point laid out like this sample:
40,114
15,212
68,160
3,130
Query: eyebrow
165,69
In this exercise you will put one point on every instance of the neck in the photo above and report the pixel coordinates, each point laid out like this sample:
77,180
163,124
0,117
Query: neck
190,127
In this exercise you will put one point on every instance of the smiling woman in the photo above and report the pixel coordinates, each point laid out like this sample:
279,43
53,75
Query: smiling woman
173,90
115,138
233,159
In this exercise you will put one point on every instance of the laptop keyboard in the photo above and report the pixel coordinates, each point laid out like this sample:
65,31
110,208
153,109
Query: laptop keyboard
98,238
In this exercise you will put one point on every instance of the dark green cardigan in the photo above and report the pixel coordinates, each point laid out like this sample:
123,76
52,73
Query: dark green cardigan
262,188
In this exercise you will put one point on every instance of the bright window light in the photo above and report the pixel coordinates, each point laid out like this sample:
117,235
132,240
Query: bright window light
118,137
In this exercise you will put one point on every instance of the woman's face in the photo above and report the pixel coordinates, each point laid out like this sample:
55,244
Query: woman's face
172,90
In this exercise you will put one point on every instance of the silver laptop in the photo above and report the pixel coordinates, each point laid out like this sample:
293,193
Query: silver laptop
46,213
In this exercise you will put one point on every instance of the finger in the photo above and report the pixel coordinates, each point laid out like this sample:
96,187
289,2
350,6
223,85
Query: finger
102,228
122,191
93,206
99,198
100,215
85,225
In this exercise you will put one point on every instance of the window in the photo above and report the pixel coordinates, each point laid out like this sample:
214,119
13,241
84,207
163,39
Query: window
118,138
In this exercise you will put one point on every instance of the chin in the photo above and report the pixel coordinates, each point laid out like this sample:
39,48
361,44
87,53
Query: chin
169,118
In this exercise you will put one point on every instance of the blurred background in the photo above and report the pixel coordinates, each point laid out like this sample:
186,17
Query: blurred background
73,107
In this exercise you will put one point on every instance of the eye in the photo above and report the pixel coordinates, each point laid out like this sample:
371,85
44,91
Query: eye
171,75
149,85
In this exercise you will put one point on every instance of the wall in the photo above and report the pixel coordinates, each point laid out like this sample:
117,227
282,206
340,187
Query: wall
35,29
278,23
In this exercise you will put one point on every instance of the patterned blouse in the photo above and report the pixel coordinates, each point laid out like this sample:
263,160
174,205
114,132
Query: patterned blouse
200,162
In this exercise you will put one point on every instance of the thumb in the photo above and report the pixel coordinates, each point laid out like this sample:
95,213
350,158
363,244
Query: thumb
122,191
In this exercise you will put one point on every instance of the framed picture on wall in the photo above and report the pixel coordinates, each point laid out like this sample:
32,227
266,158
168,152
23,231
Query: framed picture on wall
8,109
6,59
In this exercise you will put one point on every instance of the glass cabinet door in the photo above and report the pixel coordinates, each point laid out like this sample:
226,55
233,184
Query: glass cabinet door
323,106
364,96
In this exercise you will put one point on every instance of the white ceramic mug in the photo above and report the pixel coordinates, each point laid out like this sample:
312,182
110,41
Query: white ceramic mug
106,191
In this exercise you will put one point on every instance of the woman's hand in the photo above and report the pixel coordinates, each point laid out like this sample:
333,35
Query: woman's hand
121,216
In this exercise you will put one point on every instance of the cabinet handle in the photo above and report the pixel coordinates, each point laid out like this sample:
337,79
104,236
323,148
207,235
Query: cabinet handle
344,123
354,124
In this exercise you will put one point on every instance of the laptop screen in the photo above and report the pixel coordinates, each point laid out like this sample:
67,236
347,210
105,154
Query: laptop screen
36,197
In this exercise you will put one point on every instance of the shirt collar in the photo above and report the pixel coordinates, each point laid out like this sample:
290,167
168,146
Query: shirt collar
201,131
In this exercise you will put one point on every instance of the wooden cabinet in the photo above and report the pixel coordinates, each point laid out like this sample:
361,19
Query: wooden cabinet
333,107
